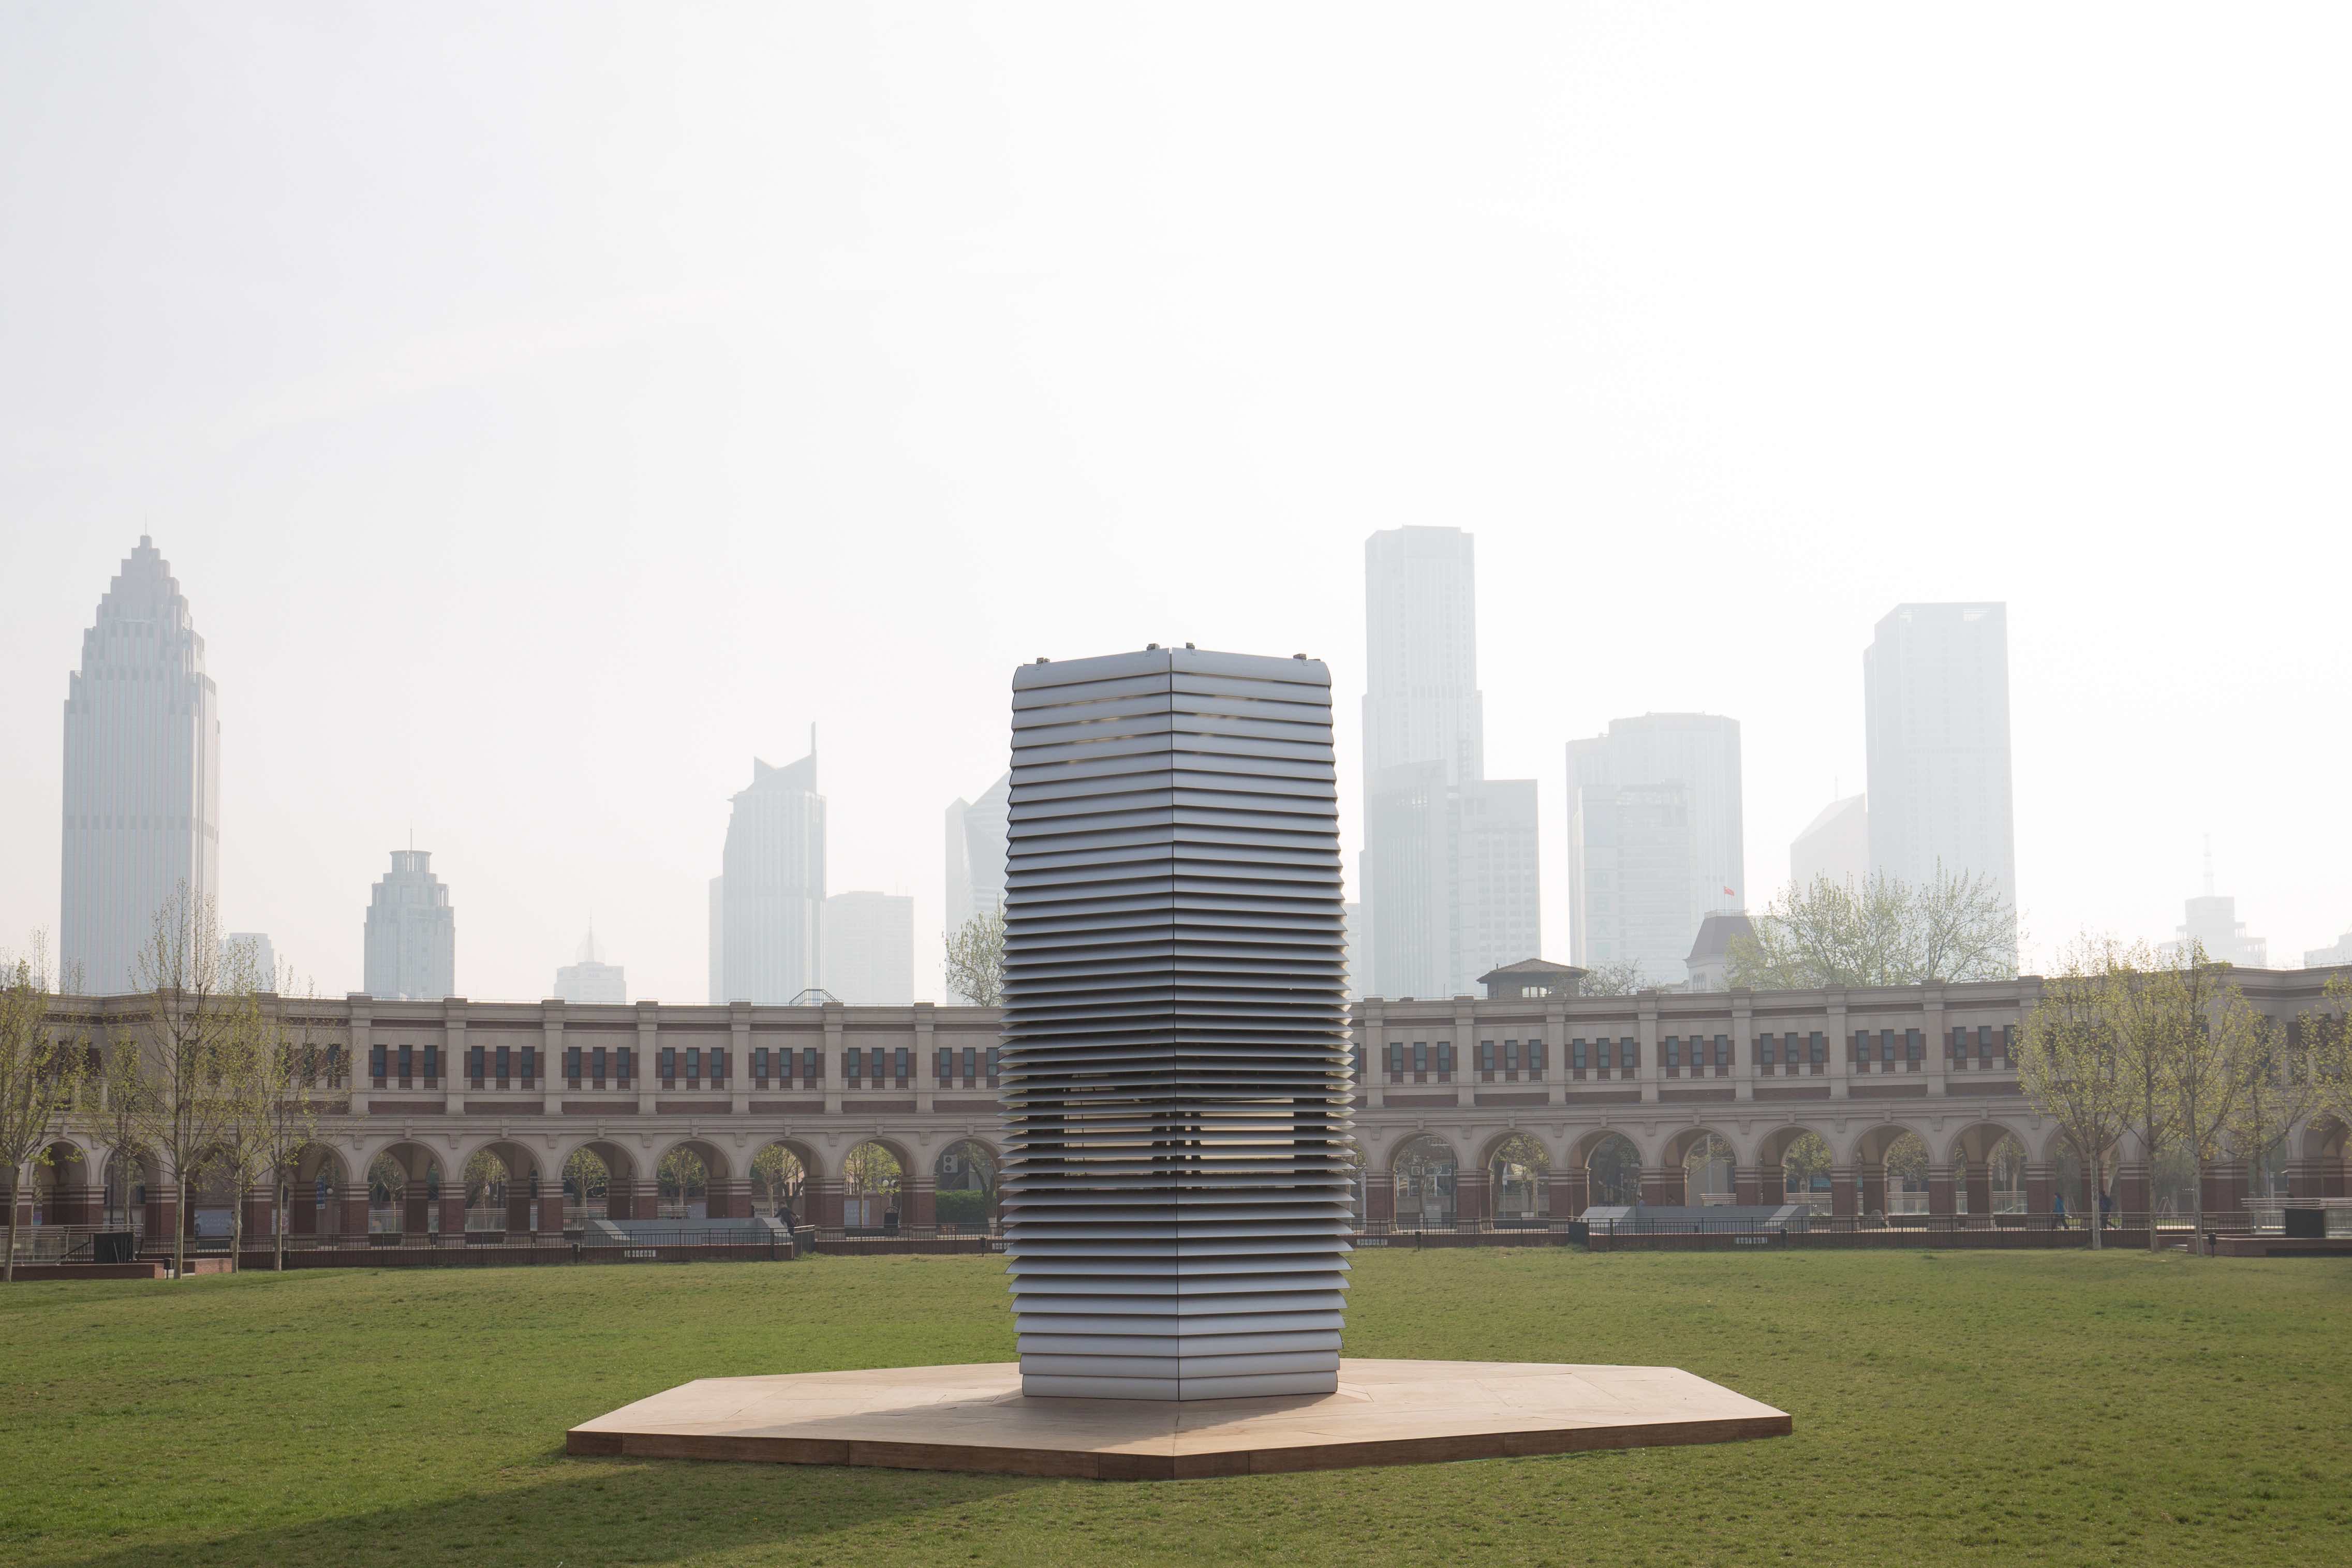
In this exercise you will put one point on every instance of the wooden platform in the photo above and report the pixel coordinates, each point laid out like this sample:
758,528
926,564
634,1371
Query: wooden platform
975,1419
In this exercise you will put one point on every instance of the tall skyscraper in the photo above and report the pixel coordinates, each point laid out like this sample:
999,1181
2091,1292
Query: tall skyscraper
141,774
768,923
1655,841
869,949
1936,695
411,933
718,940
253,951
975,854
588,978
1835,844
1448,876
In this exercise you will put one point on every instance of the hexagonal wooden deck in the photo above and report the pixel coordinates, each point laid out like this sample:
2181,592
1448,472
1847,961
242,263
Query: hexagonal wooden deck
976,1418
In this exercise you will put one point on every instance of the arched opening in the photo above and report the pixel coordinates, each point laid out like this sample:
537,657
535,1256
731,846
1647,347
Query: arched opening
314,1191
964,1186
684,1178
1878,1184
405,1185
134,1189
780,1183
1519,1176
1613,1170
212,1199
502,1191
1709,1172
1803,1158
599,1182
870,1178
1422,1179
2079,1181
1987,1174
62,1189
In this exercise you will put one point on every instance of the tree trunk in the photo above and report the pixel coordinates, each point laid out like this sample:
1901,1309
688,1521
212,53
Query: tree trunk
181,1217
237,1223
284,1194
8,1268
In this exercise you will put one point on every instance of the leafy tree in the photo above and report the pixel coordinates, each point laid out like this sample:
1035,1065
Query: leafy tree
2069,1061
41,1075
273,1114
1955,926
975,959
779,1175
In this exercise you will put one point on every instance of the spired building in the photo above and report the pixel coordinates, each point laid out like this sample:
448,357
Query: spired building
589,978
141,774
1936,694
767,904
1654,839
1175,1069
411,933
1448,875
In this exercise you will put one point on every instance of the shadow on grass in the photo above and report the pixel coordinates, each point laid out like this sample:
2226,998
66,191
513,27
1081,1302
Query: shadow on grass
595,1511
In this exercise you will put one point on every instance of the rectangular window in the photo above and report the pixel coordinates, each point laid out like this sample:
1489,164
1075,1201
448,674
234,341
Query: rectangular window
717,1066
597,1066
1446,1056
1486,1056
1421,1055
853,1066
943,1065
1766,1050
1510,1055
408,1065
991,1066
1914,1045
970,1066
1576,1054
432,1063
899,1059
505,1062
572,1065
474,1065
625,1064
1536,1059
377,1069
1674,1053
1819,1049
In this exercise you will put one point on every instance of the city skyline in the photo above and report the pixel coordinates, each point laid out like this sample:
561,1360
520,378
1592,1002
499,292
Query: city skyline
525,479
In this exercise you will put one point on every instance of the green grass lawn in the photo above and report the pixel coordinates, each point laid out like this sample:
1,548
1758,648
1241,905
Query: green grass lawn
1950,1408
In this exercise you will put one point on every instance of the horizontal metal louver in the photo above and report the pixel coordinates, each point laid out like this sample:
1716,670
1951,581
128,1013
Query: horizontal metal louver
1175,1070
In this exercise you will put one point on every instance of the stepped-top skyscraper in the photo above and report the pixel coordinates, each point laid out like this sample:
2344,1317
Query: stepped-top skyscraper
1448,875
1655,843
1936,693
141,774
975,854
411,933
767,906
589,978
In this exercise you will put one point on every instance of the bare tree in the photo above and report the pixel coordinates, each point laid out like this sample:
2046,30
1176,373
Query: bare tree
2211,1041
2067,1060
41,1073
273,1112
975,959
2291,1072
1623,977
195,994
1955,926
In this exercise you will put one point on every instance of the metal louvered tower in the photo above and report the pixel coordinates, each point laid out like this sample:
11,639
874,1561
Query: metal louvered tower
1175,1055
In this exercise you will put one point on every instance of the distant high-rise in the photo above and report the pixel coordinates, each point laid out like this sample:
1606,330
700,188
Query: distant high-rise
869,949
975,855
1935,696
589,978
767,922
718,940
411,933
2211,923
1656,840
1447,881
2339,952
251,951
141,774
1835,844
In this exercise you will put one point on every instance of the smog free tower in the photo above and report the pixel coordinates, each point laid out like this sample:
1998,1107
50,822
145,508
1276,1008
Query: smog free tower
1175,1058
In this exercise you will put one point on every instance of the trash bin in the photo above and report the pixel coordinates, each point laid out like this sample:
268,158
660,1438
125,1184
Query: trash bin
114,1246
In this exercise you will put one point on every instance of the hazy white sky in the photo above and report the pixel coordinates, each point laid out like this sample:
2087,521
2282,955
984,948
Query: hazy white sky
546,408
